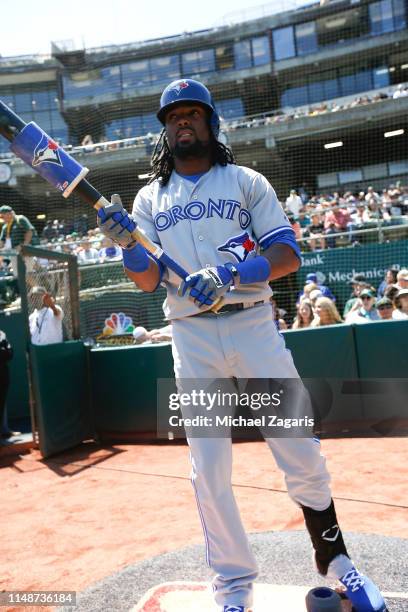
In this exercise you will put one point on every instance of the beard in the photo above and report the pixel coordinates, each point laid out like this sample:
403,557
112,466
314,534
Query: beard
197,149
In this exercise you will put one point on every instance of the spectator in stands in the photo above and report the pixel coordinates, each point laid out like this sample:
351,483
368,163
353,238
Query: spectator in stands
81,225
314,295
46,319
316,232
58,228
17,230
304,316
403,200
63,228
391,293
385,200
49,232
384,307
295,226
294,204
402,279
381,95
70,239
325,312
303,194
88,254
87,142
401,302
65,248
335,222
304,221
311,278
375,211
394,194
307,290
278,314
390,278
358,283
372,195
109,251
338,200
361,197
363,310
400,92
357,221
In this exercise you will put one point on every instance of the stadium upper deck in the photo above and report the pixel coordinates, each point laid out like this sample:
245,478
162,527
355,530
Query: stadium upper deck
267,66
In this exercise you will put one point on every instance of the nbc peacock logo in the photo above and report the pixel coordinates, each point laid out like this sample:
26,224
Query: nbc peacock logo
118,329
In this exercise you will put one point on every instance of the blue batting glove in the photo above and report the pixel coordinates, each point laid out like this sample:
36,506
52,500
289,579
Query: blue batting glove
115,223
207,285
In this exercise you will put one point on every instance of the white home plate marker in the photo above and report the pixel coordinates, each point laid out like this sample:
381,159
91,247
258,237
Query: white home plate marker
193,596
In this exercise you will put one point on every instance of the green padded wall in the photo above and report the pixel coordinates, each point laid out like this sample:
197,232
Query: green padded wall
323,351
61,391
325,357
122,381
124,385
382,349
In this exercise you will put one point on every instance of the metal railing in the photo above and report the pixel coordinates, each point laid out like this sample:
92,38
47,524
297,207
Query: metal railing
383,231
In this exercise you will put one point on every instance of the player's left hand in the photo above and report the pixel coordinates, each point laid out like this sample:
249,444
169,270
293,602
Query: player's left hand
207,285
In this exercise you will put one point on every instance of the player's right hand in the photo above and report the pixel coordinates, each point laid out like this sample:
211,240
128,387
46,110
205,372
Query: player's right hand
115,223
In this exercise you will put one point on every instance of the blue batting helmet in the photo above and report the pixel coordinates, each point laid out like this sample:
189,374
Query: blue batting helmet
188,90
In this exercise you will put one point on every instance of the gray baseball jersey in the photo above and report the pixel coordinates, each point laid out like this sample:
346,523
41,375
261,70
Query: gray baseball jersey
229,215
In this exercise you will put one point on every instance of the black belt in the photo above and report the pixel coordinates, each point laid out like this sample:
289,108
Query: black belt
232,308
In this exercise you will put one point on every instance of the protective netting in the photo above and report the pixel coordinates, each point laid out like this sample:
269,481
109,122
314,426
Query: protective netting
111,307
315,99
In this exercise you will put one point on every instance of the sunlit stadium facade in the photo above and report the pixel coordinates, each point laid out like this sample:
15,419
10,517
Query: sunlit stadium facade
269,78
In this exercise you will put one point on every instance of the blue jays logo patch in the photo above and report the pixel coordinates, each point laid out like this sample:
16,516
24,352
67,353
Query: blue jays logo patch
239,246
46,151
179,87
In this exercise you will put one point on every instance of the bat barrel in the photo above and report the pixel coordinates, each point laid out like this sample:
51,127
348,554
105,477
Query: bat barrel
10,123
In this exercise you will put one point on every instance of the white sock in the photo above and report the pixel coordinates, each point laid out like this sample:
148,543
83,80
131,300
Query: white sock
339,566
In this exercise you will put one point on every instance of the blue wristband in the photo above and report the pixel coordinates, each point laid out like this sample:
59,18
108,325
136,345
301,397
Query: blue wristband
255,270
136,259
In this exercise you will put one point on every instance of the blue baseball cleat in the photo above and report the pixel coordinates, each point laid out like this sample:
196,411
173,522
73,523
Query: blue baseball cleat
232,608
362,592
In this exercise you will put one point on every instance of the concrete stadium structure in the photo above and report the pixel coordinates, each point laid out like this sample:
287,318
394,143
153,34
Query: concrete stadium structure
285,85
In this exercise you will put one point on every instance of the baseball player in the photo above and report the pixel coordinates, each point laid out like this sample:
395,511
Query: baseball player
224,222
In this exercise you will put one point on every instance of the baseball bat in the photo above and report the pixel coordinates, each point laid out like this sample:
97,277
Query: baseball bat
12,128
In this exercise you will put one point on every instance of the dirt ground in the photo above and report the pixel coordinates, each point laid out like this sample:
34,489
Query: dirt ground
73,519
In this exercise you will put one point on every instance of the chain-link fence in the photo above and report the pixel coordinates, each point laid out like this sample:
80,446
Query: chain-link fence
47,279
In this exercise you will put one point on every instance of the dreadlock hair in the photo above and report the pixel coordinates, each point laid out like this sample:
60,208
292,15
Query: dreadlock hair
162,161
